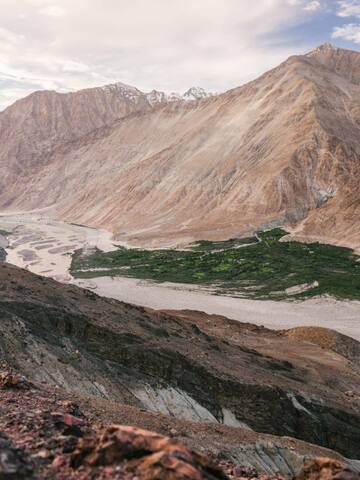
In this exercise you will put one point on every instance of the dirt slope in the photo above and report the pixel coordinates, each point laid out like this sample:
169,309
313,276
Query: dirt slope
240,374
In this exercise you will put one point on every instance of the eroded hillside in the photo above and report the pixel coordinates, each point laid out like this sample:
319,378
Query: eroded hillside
190,365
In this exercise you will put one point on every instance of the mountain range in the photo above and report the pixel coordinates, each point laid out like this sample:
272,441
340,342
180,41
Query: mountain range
280,150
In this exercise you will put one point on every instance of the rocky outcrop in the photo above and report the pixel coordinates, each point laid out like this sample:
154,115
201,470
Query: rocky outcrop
149,455
326,469
248,377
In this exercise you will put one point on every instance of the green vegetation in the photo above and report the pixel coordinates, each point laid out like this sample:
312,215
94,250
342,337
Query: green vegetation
263,269
4,233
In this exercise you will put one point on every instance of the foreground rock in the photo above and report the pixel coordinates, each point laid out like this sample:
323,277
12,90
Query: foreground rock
14,462
45,434
148,455
326,469
12,380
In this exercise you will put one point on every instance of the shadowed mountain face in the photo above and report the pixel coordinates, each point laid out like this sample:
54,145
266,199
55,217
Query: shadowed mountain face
283,150
187,364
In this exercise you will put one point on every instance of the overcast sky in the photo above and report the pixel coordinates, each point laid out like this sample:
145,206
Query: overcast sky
164,44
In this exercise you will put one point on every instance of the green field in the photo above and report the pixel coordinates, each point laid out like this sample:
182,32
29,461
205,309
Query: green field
260,270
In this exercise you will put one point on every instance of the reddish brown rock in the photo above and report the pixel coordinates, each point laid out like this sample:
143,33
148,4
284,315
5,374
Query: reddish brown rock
148,455
12,380
326,469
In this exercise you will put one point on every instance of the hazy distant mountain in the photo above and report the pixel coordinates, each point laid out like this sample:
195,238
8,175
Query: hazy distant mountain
32,127
194,93
283,149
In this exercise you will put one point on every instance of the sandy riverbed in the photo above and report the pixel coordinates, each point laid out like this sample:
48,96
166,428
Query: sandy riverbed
44,246
341,316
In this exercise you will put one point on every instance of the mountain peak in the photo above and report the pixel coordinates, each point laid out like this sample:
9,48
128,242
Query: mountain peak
324,49
343,62
193,94
196,93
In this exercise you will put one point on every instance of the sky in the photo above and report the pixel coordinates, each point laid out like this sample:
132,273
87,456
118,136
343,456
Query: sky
168,45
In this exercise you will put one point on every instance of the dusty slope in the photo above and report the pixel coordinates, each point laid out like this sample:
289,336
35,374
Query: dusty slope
330,340
32,127
246,376
280,150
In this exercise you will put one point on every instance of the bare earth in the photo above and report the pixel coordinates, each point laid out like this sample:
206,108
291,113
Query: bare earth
44,246
341,316
32,232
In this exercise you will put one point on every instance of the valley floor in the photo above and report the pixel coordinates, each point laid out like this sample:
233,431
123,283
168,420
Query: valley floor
342,316
44,246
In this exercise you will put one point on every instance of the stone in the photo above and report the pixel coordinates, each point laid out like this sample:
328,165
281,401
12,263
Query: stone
13,380
150,455
326,469
15,464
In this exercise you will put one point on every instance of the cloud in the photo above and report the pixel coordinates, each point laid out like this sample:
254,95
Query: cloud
350,32
10,38
348,8
52,11
312,6
307,5
68,45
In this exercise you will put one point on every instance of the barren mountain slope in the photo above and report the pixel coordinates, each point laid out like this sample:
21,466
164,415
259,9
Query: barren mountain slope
186,364
280,150
33,126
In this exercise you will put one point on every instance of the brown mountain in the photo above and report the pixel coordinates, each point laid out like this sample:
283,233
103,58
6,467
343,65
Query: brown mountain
32,127
281,150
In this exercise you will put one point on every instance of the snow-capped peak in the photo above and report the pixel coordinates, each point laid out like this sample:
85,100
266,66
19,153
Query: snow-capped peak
155,96
193,94
196,93
132,94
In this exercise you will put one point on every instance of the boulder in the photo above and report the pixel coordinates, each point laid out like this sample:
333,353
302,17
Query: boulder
148,455
326,469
